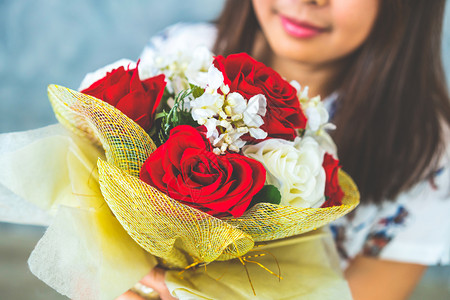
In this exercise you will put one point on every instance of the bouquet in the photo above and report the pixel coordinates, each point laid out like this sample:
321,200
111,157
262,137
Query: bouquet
200,158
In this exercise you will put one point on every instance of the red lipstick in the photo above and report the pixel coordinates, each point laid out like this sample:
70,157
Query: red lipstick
300,30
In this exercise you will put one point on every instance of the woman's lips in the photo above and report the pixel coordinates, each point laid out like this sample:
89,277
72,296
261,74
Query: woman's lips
300,29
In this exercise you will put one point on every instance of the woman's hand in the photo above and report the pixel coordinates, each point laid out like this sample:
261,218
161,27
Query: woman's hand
371,278
154,280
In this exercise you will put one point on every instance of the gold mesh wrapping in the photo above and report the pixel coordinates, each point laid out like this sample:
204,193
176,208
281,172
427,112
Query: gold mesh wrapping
175,232
165,227
266,222
126,144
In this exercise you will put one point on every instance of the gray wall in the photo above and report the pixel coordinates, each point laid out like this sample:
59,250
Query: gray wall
446,42
51,41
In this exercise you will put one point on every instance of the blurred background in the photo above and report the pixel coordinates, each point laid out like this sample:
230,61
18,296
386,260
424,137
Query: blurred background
51,41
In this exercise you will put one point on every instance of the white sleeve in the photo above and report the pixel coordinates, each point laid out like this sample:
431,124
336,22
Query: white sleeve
424,237
415,228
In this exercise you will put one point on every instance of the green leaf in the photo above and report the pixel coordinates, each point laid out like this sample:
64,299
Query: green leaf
268,194
186,119
196,91
177,115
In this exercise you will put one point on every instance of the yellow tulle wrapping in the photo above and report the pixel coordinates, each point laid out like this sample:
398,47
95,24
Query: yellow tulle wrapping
176,233
308,264
85,253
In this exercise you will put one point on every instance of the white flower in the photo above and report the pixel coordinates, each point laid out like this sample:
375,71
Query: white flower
214,80
256,108
211,128
235,104
231,138
257,133
295,168
181,65
316,113
317,125
196,71
301,94
231,112
236,118
206,106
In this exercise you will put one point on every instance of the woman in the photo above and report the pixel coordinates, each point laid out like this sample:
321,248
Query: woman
379,64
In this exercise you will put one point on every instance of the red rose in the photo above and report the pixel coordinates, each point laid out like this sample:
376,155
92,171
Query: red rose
124,90
249,77
186,169
333,192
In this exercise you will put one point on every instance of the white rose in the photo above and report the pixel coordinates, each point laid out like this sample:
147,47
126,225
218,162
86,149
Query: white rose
295,168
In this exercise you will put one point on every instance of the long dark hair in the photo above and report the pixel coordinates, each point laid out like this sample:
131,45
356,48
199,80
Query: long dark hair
393,101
